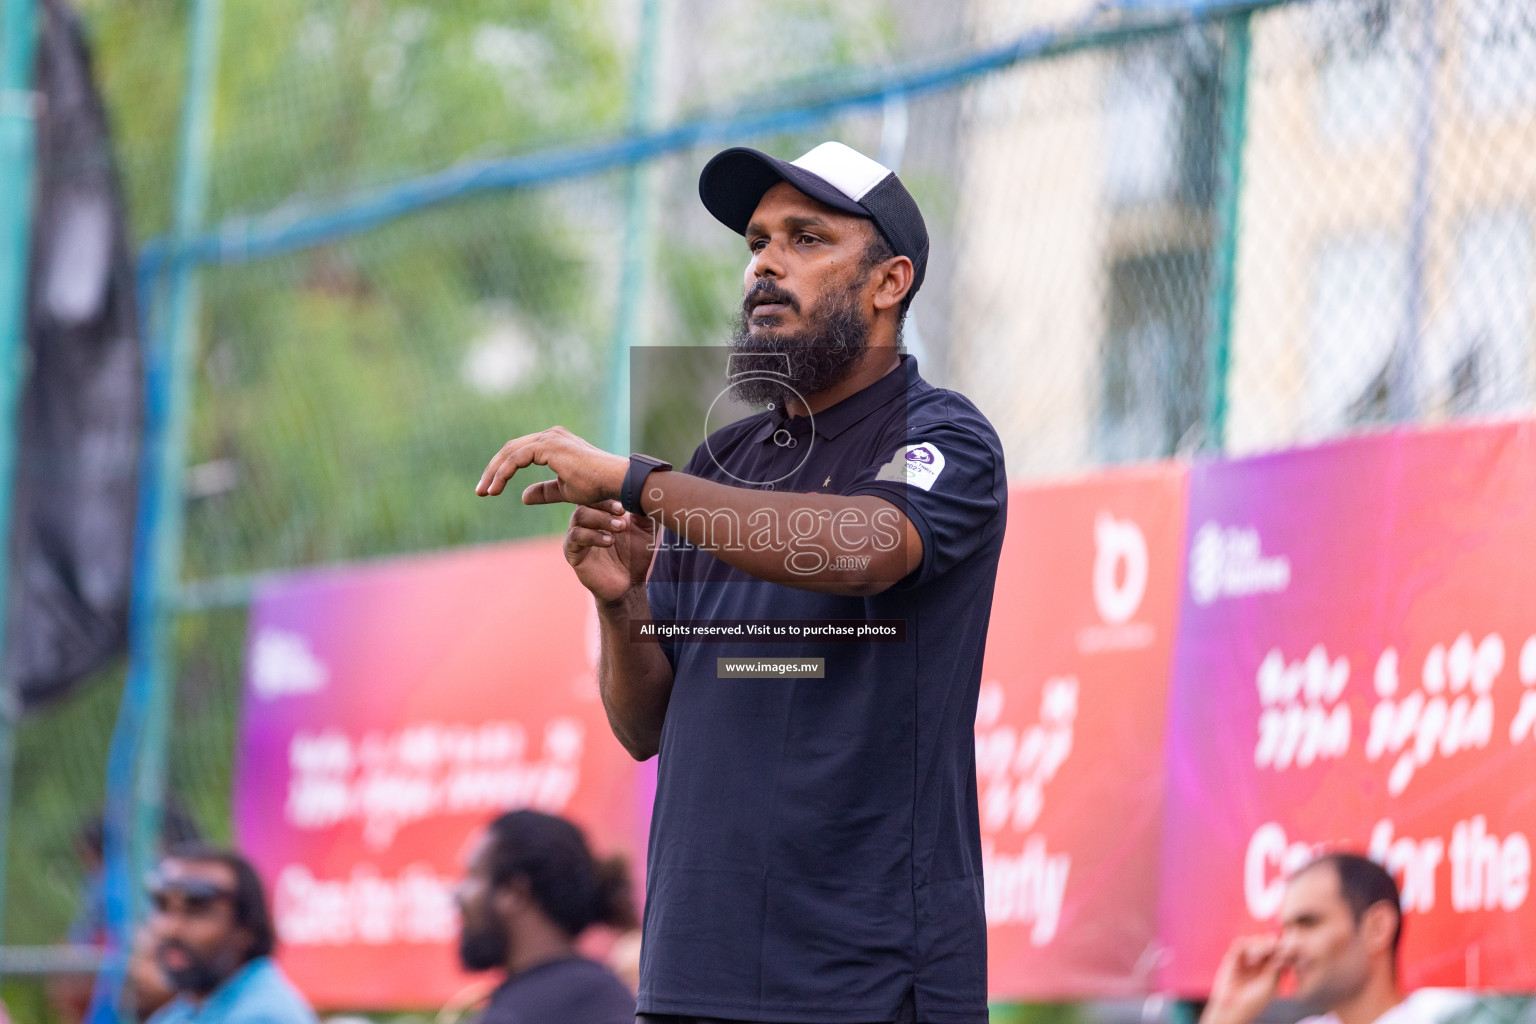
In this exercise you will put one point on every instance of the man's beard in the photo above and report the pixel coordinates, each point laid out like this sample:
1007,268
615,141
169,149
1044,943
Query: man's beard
199,975
821,356
483,946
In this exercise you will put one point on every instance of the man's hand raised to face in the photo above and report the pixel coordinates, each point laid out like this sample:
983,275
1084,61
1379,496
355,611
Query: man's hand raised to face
1247,980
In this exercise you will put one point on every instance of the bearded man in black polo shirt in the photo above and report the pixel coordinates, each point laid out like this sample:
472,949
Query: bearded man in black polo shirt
815,851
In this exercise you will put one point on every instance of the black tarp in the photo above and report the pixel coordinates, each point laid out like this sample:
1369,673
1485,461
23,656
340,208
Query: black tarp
77,458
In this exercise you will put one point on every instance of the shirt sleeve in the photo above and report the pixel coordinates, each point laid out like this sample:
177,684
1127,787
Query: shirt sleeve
947,479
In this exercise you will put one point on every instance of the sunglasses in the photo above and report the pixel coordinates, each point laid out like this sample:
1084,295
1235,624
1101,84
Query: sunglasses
192,897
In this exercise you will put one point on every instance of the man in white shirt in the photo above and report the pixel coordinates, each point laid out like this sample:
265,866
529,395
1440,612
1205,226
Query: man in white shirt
1340,926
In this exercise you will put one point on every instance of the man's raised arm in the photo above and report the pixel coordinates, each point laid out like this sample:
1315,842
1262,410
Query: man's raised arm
831,543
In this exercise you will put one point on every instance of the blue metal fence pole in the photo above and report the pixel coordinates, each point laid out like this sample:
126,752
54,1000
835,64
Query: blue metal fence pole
137,758
175,352
1222,300
18,145
629,315
296,226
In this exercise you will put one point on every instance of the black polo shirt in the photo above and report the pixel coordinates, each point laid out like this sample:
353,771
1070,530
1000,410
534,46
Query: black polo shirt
815,850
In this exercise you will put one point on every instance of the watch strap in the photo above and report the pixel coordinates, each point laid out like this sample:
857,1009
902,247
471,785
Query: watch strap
640,467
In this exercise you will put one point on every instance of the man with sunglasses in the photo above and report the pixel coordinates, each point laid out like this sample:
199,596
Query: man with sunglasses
213,938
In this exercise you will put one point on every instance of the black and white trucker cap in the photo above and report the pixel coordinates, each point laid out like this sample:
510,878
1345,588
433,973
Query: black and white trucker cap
733,183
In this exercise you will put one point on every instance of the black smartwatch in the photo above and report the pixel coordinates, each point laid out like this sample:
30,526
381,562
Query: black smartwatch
640,467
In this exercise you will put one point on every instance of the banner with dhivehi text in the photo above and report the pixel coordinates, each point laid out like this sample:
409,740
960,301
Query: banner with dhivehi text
1356,665
390,711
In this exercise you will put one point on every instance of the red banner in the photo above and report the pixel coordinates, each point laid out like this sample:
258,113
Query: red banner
391,711
1357,664
1069,733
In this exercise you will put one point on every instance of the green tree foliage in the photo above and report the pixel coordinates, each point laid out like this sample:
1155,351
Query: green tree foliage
351,394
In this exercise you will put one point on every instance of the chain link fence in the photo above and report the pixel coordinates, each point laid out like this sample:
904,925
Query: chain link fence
1383,260
1152,236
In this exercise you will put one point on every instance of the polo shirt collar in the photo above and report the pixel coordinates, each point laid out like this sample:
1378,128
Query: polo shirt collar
835,419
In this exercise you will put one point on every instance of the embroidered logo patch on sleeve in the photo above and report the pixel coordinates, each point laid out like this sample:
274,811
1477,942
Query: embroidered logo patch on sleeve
917,465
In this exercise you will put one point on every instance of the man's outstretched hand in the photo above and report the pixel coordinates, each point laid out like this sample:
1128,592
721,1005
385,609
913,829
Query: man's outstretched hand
609,548
584,473
1247,980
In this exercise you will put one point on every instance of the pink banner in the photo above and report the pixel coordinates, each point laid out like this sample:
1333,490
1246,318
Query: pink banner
1356,663
389,712
1069,733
